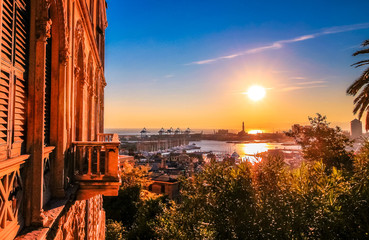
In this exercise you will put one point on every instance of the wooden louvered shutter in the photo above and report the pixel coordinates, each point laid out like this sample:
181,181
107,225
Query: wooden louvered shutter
13,79
6,75
4,109
7,30
20,76
47,108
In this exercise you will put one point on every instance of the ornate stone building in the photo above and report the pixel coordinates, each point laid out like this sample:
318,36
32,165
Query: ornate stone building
55,161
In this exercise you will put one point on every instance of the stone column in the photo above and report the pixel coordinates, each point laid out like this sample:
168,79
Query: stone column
61,138
36,97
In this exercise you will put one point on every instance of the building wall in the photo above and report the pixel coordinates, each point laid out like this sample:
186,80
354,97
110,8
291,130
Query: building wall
84,219
356,128
51,94
171,189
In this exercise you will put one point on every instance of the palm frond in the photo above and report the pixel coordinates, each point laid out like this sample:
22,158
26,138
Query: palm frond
365,43
360,63
361,102
362,51
358,83
361,107
359,98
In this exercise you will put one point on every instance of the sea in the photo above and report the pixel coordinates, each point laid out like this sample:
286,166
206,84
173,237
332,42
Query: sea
246,150
242,148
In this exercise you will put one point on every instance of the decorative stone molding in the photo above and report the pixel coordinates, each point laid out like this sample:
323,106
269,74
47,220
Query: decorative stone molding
64,56
63,24
90,89
77,72
79,33
43,29
83,81
80,45
45,5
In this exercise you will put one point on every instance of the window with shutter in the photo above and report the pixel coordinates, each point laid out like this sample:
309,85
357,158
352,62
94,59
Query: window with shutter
13,79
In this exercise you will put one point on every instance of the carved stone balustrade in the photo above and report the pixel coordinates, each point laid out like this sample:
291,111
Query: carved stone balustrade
107,137
97,166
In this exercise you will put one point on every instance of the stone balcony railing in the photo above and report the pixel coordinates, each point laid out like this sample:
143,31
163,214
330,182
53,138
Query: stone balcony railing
97,166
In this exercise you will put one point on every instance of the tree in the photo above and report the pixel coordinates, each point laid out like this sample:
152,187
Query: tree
131,214
361,101
320,142
114,230
124,207
217,203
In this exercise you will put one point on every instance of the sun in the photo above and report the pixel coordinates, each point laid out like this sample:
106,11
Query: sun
256,93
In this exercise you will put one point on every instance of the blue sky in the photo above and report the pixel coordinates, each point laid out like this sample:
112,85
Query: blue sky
186,63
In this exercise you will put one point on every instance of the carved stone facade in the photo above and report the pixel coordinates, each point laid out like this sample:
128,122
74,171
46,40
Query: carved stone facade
85,219
55,161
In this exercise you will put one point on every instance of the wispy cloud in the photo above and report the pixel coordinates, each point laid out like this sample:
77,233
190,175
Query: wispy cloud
169,76
297,78
279,44
311,82
293,88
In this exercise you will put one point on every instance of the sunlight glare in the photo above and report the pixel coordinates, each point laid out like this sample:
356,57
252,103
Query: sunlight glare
255,131
256,93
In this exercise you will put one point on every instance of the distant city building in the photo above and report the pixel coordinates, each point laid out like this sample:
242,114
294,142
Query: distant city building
188,131
242,133
356,128
170,131
222,132
161,131
177,131
143,132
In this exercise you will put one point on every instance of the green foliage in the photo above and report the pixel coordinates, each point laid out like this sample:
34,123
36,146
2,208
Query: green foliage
145,219
271,201
320,142
124,207
267,200
114,230
133,212
216,204
134,175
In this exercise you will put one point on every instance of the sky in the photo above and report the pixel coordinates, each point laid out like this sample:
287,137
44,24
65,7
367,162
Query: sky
188,63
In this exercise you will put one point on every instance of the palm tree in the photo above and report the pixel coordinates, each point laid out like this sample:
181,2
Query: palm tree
361,101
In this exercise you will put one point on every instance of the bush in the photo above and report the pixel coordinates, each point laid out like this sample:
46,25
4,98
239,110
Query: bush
114,230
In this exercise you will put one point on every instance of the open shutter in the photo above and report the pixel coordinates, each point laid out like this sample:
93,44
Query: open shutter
6,75
20,77
13,77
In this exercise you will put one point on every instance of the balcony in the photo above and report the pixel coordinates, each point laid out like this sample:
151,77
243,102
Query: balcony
97,166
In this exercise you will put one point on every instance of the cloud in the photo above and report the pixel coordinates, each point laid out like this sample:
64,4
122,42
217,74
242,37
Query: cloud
293,88
298,78
169,76
311,82
281,43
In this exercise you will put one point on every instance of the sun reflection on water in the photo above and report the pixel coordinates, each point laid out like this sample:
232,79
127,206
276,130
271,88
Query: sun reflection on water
254,148
255,131
250,150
